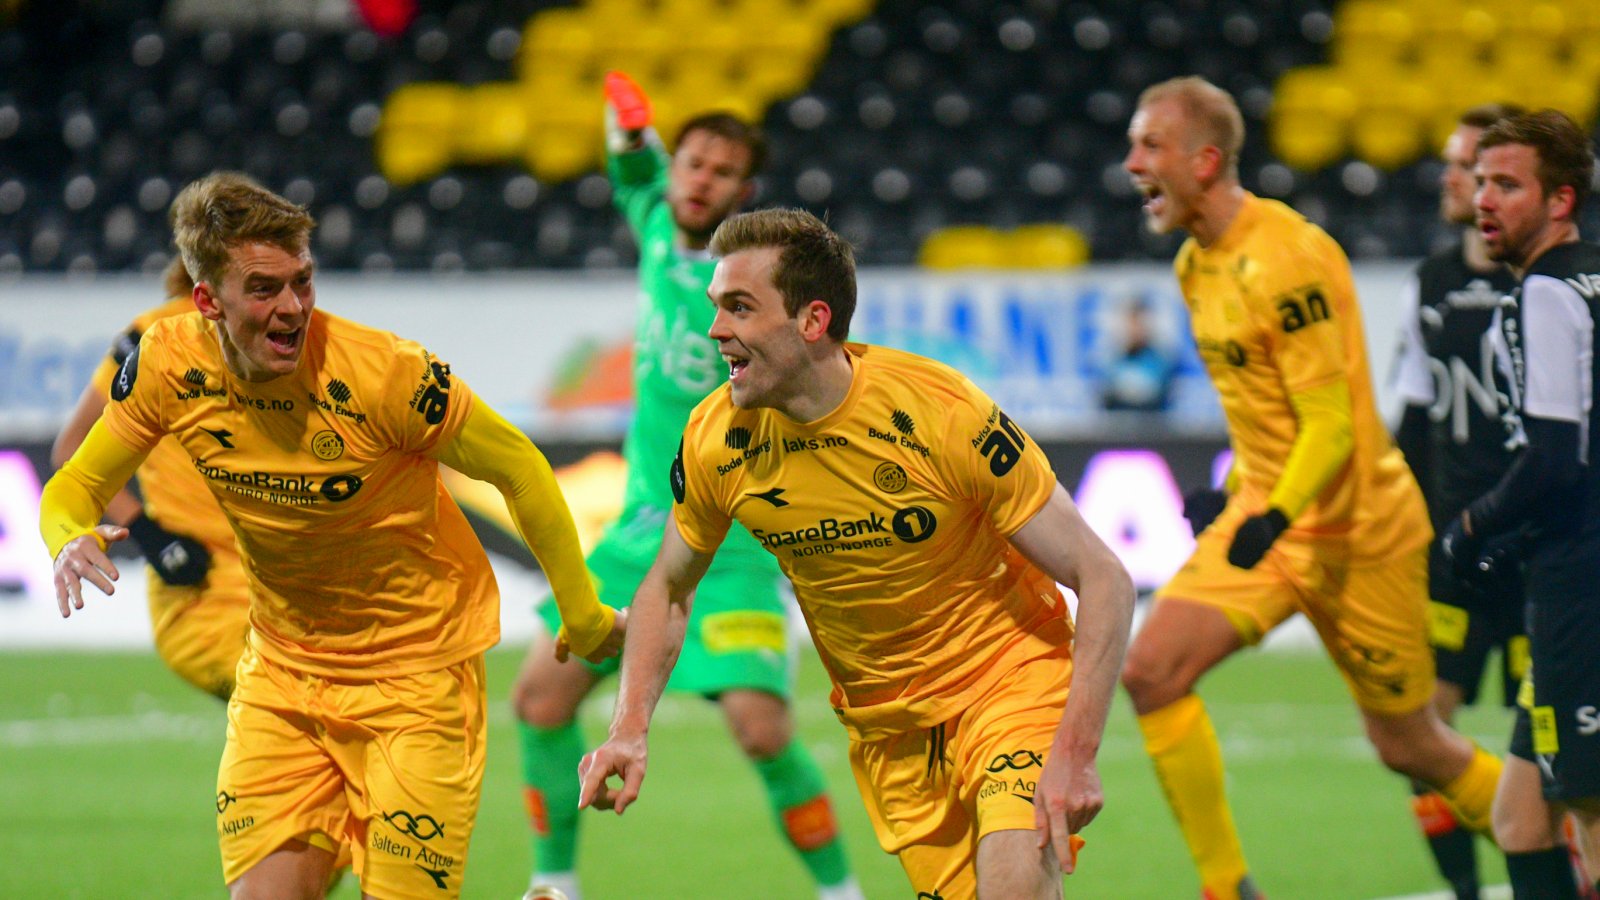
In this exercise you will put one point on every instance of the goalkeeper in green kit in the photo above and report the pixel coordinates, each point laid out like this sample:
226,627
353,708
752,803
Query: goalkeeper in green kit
737,651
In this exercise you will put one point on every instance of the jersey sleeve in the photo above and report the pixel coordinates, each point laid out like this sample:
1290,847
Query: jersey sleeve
1413,377
990,459
701,512
1299,293
1559,334
424,405
638,182
122,346
136,414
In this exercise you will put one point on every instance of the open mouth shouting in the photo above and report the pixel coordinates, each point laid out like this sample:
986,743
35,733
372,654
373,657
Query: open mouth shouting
286,342
736,365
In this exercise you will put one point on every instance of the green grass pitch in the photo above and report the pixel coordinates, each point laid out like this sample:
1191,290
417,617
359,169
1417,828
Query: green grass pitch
108,763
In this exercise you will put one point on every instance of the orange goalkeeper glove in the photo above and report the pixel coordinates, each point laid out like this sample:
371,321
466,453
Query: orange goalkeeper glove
627,113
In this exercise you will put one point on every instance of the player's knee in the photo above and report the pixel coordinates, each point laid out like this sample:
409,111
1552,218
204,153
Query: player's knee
536,704
762,730
1150,680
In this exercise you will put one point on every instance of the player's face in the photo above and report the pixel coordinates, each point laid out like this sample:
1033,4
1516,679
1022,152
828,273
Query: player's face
1513,211
1456,182
708,181
1161,158
262,309
759,340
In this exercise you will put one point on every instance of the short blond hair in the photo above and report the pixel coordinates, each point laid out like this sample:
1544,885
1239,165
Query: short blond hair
226,209
1210,108
175,279
814,263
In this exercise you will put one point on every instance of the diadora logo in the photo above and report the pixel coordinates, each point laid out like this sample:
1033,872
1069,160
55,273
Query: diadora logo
737,438
771,497
338,390
422,827
221,434
438,876
195,377
225,800
902,422
1020,759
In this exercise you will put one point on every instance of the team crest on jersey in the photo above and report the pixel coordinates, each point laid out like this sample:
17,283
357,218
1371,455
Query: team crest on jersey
327,445
126,376
890,478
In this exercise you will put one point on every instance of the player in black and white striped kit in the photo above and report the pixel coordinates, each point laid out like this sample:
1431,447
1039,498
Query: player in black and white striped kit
1453,439
1533,173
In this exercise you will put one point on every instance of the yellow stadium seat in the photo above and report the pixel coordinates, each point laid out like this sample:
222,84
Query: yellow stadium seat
556,38
964,247
1372,30
1388,138
1047,246
1307,140
415,134
560,150
493,124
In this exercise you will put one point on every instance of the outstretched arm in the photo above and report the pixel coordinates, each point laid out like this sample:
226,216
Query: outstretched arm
660,614
1058,541
70,508
491,449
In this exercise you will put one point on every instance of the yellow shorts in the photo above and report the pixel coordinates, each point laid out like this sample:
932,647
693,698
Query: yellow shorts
392,767
200,629
1373,617
932,795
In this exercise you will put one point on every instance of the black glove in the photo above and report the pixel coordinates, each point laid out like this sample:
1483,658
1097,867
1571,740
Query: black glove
1255,537
1462,550
177,559
1201,507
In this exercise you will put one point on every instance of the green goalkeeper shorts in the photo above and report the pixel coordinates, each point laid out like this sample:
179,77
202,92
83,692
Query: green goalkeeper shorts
737,636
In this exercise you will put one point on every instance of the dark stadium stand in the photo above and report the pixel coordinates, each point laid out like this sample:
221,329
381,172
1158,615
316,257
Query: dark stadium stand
920,116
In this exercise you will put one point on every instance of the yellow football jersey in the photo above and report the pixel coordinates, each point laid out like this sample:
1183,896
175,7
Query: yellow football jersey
891,516
1274,312
174,494
359,561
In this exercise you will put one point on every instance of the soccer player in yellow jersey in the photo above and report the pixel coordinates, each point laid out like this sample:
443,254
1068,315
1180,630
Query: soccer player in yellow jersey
358,713
1323,516
924,533
198,596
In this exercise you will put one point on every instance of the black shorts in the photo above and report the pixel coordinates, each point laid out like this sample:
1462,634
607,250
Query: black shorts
1564,723
1467,621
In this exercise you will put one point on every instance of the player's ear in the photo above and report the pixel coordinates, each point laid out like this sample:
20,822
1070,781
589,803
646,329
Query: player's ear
1207,164
206,301
1561,203
815,317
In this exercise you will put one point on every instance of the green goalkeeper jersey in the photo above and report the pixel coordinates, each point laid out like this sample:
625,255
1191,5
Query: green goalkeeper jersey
675,364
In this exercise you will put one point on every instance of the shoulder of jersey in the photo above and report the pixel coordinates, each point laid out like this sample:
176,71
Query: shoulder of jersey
1567,260
901,366
1444,262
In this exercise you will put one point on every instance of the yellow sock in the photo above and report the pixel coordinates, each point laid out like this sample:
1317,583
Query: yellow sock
1183,745
1471,794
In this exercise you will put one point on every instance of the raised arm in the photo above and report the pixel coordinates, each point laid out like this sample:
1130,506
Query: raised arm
71,507
660,613
491,449
1058,541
